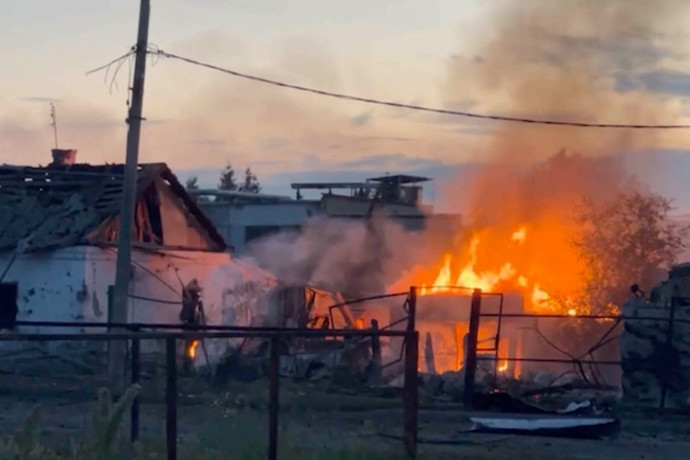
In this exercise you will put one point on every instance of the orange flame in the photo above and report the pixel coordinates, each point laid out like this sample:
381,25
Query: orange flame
503,353
536,260
468,277
191,352
520,235
508,275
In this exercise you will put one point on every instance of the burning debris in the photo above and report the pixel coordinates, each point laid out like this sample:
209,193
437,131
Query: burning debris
191,350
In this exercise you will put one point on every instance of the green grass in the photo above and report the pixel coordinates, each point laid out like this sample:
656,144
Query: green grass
233,428
238,438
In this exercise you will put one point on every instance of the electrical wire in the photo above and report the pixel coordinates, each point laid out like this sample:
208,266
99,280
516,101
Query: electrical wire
154,300
114,61
422,108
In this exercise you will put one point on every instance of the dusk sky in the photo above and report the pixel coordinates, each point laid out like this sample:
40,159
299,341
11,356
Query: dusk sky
626,62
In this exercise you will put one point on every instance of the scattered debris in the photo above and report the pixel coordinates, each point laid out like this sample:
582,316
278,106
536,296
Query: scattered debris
655,353
549,425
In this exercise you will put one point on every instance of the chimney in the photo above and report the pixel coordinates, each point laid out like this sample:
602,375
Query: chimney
64,157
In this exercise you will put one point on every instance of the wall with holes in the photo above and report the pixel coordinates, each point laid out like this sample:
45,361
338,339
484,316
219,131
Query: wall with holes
233,290
71,284
50,285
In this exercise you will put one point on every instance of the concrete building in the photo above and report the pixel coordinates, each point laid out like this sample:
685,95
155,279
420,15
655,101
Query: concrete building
243,217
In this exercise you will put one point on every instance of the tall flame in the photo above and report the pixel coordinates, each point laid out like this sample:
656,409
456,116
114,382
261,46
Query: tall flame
468,277
507,275
535,260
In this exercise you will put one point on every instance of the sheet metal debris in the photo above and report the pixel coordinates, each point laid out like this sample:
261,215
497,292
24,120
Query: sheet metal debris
548,425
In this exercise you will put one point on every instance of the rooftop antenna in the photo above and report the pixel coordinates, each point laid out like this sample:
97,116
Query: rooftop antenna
53,122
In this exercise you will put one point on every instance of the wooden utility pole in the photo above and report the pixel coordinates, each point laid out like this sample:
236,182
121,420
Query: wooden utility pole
116,362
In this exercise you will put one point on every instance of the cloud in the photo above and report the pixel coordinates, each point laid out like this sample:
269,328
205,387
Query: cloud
273,143
376,165
208,142
623,51
537,65
663,81
26,136
526,59
390,138
362,119
397,162
40,99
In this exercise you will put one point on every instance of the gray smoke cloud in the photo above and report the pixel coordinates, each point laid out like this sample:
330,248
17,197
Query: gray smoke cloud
356,257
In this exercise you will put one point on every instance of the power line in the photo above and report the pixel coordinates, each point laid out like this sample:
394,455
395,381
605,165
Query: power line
113,62
421,108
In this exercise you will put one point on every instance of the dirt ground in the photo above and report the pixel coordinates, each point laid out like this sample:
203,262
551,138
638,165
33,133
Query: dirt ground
229,421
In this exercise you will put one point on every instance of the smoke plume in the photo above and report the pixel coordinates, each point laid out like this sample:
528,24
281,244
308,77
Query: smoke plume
565,60
357,258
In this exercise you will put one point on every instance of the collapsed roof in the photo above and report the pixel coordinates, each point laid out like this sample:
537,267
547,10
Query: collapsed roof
65,205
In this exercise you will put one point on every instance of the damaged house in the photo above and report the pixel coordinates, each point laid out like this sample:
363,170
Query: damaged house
58,240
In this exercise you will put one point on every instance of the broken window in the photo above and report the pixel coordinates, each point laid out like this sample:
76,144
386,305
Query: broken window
8,305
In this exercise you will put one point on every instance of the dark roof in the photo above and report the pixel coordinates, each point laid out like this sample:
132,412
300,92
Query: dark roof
400,179
55,206
331,185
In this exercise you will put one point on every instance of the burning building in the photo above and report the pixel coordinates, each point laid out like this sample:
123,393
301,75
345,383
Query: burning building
58,242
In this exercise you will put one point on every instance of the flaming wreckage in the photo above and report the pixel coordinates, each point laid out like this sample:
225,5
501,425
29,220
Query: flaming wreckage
72,241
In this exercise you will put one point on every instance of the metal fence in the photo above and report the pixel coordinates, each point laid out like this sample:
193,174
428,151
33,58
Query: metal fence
586,358
171,334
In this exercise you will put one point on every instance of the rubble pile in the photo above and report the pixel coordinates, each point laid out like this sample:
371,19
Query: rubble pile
655,352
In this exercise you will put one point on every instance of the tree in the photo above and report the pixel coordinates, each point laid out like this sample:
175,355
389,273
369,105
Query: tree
251,183
628,240
227,182
193,184
227,179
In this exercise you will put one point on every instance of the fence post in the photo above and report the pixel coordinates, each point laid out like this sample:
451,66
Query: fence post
410,393
134,416
412,310
111,294
171,398
669,346
274,382
471,358
109,316
410,390
375,352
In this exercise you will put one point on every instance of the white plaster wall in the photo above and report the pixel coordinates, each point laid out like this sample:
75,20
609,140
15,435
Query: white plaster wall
233,290
50,286
71,284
